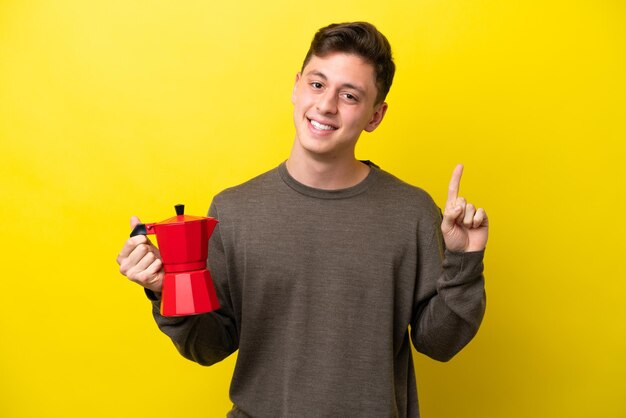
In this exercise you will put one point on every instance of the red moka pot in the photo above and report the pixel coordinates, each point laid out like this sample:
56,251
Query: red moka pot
183,242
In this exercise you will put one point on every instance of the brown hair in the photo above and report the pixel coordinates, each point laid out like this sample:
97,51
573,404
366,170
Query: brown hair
362,39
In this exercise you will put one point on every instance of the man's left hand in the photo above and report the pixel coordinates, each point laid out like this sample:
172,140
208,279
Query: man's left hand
464,227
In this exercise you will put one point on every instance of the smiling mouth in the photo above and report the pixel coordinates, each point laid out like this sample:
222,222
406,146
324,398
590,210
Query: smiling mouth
321,126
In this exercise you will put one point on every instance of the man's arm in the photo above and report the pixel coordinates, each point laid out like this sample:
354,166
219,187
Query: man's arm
448,318
206,338
211,337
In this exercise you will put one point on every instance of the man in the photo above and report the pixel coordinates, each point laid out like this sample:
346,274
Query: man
327,267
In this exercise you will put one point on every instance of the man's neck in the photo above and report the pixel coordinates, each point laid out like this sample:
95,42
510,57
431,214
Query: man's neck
327,174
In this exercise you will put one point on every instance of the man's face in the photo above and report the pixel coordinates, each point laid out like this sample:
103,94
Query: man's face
334,101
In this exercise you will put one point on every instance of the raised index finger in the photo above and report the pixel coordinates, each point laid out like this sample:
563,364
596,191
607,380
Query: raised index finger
455,182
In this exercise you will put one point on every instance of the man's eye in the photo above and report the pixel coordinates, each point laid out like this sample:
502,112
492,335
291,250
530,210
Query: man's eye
351,97
316,85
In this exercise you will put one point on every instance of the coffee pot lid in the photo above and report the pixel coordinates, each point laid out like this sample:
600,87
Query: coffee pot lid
181,217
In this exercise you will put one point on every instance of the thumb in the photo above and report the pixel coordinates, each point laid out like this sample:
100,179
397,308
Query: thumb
134,221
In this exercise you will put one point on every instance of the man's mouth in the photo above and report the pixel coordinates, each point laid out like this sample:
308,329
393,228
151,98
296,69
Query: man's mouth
322,127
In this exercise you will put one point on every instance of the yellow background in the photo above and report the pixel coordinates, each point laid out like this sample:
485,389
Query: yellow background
113,108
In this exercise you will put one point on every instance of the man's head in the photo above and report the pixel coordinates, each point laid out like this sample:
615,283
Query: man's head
361,39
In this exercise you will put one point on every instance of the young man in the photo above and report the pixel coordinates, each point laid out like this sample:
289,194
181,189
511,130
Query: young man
328,267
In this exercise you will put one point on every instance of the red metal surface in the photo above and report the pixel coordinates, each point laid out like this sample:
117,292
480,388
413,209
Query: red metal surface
188,293
184,245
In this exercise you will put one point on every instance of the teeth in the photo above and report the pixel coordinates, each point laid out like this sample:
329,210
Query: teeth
321,126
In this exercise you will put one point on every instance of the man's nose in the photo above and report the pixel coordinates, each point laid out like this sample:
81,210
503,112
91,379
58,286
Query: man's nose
327,102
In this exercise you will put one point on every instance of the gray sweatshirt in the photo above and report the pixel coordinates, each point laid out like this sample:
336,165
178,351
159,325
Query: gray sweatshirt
322,293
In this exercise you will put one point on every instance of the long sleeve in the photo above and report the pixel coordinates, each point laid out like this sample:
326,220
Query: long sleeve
449,311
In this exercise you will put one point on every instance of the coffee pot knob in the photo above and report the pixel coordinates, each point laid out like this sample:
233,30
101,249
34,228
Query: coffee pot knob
180,209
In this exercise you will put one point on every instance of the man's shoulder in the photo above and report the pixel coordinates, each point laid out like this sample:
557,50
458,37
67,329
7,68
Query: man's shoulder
407,203
397,188
256,186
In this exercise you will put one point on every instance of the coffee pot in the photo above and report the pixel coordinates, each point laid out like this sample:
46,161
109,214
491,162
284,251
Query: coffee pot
183,242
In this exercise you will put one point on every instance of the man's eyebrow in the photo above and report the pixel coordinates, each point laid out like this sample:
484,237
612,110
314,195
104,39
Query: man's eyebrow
344,85
318,74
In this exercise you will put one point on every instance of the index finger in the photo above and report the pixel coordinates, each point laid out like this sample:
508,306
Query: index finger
131,244
455,182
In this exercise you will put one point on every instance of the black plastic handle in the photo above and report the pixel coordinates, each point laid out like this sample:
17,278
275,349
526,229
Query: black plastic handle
139,229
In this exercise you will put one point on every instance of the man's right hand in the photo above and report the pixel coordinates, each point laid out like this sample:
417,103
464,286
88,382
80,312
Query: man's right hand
140,261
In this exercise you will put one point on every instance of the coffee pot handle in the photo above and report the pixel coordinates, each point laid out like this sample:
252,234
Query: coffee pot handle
139,229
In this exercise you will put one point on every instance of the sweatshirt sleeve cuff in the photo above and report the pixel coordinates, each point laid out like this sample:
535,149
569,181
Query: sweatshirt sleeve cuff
463,267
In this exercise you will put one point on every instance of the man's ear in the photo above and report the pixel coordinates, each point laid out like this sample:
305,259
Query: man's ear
377,117
295,85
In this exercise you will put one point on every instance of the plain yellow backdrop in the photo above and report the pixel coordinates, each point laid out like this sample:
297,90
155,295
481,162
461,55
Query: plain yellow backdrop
114,108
